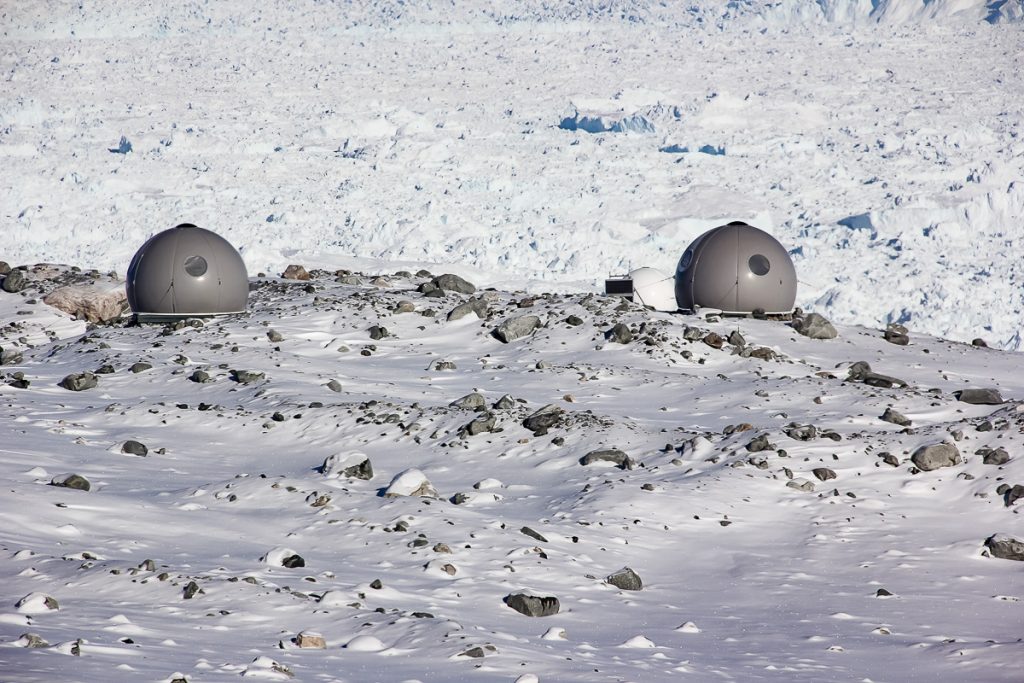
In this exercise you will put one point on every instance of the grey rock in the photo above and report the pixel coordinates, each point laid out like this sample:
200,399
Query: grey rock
691,333
612,455
293,562
9,356
625,579
515,328
532,605
824,473
993,456
200,377
533,534
472,401
361,469
736,339
619,333
246,376
979,342
79,381
191,590
136,368
354,280
1013,494
481,425
574,320
801,485
985,397
858,371
5,267
935,456
14,282
476,306
444,365
32,640
334,385
295,272
760,443
453,283
815,326
544,419
133,447
714,340
274,336
1005,547
478,651
404,307
506,402
895,418
71,481
861,372
801,432
896,334
378,332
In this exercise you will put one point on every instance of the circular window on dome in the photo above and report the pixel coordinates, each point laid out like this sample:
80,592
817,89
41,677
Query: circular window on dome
687,258
759,264
195,266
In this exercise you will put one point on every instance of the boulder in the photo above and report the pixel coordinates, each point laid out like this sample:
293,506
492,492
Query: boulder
476,306
410,482
896,334
815,326
1005,547
612,455
619,334
92,303
983,397
295,272
935,456
14,282
625,579
515,328
544,419
532,605
79,381
71,481
353,465
472,401
453,283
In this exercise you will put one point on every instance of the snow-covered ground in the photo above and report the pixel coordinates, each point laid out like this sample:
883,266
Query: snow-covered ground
887,155
781,527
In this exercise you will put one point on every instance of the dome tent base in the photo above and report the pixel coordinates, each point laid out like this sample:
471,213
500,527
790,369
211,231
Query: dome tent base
162,318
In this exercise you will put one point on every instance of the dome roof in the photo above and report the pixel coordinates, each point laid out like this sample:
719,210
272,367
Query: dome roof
736,268
187,271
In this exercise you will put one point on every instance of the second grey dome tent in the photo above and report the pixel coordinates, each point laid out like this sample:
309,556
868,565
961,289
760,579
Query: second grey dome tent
186,271
736,268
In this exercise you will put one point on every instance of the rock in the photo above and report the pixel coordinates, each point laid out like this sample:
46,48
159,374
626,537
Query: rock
440,365
758,444
71,481
805,485
453,283
200,377
714,340
815,326
895,418
979,342
274,336
858,371
31,641
477,306
14,282
531,605
334,385
515,328
37,603
478,652
246,376
934,456
136,368
619,333
801,432
896,334
9,356
533,534
1005,547
993,456
984,397
574,321
132,447
353,465
93,303
473,401
861,372
612,455
824,473
544,419
404,307
506,402
79,381
310,640
1013,494
410,482
191,590
736,339
625,579
378,332
480,425
295,272
5,267
294,561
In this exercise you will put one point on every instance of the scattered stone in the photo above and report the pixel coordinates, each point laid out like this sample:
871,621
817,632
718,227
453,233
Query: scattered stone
136,368
985,397
71,481
92,303
295,272
132,447
1005,547
934,456
506,402
515,328
736,339
334,385
472,401
993,456
200,377
378,332
714,340
815,326
80,381
979,342
625,579
896,334
574,321
760,443
1013,494
882,593
5,267
824,473
294,561
619,333
191,590
274,336
353,465
246,376
310,640
612,455
478,651
889,459
533,534
895,418
477,306
805,485
441,365
9,356
453,283
410,482
404,307
544,419
14,282
37,603
480,425
861,372
531,605
31,641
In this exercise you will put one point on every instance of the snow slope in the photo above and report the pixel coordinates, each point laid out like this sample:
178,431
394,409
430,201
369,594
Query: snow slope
778,525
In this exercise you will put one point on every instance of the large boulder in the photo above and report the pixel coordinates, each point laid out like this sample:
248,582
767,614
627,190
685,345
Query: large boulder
981,397
14,282
453,283
815,326
1005,547
935,456
515,328
532,605
93,303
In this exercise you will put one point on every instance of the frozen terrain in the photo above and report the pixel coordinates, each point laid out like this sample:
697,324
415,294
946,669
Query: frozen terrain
880,141
769,501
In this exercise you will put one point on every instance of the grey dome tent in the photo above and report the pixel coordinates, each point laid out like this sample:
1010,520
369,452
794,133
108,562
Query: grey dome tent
186,271
738,269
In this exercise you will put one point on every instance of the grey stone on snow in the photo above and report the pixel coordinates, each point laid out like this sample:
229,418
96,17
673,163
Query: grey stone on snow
133,447
532,605
362,469
506,402
544,419
895,418
9,356
14,282
861,372
200,377
79,381
824,473
480,425
515,328
246,376
612,455
896,334
619,333
472,401
453,283
334,385
71,481
274,336
986,397
477,306
1005,547
625,579
935,456
293,562
533,534
760,443
140,367
815,326
993,456
736,339
191,590
1013,494
378,332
